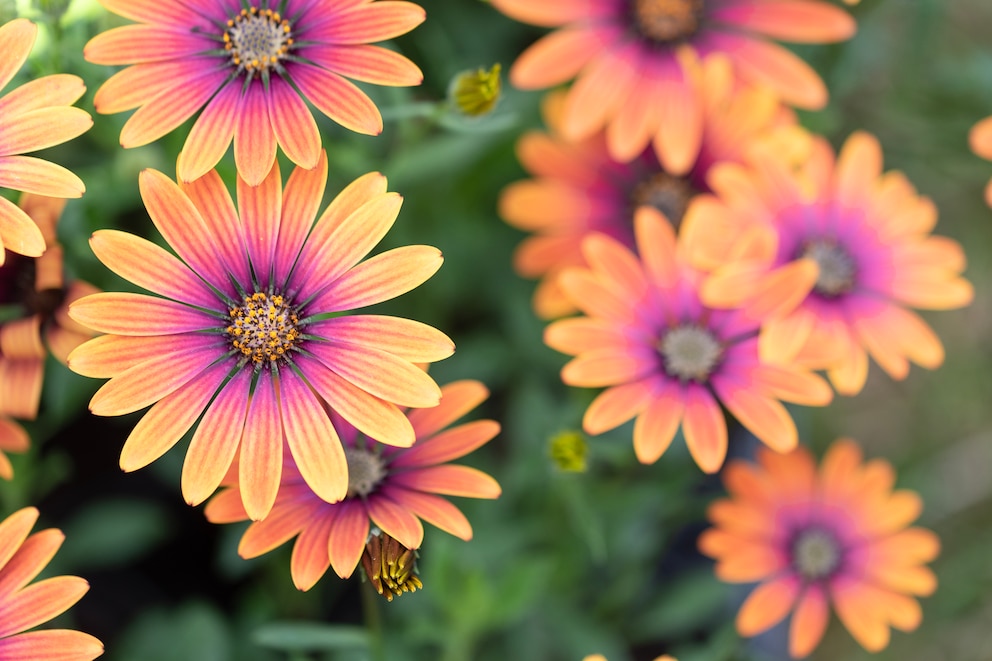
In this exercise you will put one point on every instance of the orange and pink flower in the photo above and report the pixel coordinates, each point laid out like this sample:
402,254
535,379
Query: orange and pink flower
34,300
980,139
634,62
831,255
247,328
393,488
667,359
36,115
814,537
578,188
24,606
250,65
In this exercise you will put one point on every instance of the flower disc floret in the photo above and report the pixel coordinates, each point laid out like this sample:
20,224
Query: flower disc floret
666,21
690,352
257,40
816,553
264,328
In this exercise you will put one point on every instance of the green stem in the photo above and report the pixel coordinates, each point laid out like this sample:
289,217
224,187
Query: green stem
373,621
418,110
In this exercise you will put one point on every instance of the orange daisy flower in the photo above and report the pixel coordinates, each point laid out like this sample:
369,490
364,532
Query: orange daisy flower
24,606
34,299
247,328
36,115
813,537
391,487
579,188
830,254
980,139
633,62
250,65
666,358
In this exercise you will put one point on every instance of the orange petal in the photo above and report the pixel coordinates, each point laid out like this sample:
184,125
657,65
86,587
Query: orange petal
809,622
51,645
339,98
657,424
261,457
210,135
310,558
858,608
450,480
602,87
764,417
254,138
457,399
704,429
381,278
40,602
396,521
801,22
980,138
34,175
765,63
767,605
312,439
436,511
347,538
447,445
215,441
859,165
16,39
615,406
18,233
294,125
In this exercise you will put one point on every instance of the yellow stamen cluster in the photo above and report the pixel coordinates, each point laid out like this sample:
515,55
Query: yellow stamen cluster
667,20
257,39
390,566
264,328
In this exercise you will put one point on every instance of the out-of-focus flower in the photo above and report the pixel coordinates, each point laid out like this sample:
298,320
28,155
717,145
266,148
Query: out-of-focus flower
23,606
811,537
389,490
247,328
980,139
475,93
249,65
34,301
634,60
830,255
568,451
666,358
578,188
36,115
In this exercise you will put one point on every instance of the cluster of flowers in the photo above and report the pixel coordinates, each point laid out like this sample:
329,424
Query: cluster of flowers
314,423
719,257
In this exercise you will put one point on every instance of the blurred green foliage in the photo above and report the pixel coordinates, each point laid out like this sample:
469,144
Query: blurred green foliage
564,564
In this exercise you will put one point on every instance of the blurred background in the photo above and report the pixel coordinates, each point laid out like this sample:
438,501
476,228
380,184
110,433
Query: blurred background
564,563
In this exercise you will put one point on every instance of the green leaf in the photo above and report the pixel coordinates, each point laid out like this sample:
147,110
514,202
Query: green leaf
311,636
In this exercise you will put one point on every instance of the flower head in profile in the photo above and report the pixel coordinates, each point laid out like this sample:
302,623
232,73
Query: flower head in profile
980,139
634,62
36,115
34,301
831,255
24,605
814,537
251,67
667,359
390,490
578,188
247,327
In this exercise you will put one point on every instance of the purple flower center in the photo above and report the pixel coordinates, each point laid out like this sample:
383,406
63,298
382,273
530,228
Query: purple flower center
264,328
667,193
816,553
690,353
838,270
666,21
365,471
257,40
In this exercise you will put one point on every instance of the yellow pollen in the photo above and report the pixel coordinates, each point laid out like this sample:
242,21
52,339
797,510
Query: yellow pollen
667,20
257,40
263,328
390,566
